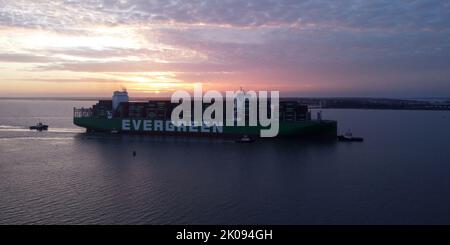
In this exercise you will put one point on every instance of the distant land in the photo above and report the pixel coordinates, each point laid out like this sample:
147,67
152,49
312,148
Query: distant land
313,102
379,103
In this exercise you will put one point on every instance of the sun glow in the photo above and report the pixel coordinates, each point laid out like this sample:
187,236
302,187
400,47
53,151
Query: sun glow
153,82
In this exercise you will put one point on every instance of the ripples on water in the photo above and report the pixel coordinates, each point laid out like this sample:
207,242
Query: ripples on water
399,175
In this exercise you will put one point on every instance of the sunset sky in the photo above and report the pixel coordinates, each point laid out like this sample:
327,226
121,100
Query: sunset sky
377,48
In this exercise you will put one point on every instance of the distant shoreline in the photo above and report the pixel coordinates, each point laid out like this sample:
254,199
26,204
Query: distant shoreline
429,104
283,98
52,98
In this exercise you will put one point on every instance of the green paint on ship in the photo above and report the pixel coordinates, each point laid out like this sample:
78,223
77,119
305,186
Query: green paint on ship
312,128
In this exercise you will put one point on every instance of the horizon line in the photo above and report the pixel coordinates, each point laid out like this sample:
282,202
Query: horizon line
140,98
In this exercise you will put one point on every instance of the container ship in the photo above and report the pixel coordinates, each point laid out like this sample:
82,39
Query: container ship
153,117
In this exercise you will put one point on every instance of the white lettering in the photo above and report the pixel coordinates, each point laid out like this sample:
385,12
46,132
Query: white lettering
148,125
193,235
215,108
159,125
137,124
184,108
126,125
181,128
235,109
205,129
264,119
169,126
217,129
230,108
198,104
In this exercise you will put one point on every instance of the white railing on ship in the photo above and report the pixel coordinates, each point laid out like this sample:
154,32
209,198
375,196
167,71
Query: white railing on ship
82,112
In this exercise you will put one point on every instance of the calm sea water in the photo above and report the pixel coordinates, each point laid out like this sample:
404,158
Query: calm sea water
399,175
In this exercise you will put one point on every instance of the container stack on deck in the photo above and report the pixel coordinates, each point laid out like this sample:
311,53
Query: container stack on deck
102,108
290,111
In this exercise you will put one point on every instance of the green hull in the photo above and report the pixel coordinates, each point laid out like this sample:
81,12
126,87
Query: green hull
314,129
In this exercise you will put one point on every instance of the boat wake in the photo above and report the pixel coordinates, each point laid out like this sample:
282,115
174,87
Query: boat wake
13,128
66,130
35,138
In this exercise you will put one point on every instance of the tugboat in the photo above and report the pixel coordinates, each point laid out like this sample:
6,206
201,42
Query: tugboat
39,127
348,137
245,139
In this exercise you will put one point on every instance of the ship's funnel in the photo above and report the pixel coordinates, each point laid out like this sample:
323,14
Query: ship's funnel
119,97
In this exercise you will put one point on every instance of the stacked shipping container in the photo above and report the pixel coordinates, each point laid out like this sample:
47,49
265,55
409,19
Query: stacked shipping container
290,111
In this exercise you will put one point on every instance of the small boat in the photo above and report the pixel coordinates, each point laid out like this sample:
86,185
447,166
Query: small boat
348,137
39,127
245,139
